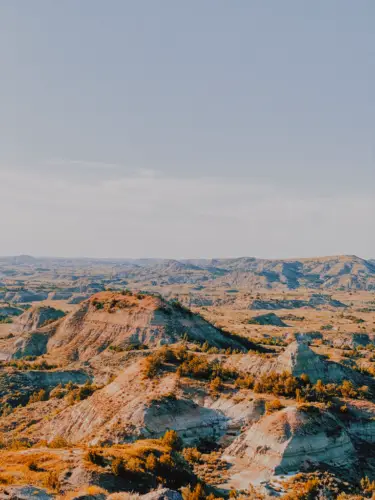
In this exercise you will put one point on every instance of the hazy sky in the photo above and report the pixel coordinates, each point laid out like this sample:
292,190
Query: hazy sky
199,128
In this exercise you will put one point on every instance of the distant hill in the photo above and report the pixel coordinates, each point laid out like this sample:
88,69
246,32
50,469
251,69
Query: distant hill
340,272
120,322
345,272
337,272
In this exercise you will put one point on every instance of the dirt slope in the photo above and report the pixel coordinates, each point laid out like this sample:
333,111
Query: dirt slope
118,321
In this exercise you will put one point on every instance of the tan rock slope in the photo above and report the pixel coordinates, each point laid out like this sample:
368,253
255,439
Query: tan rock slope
120,321
281,442
297,359
132,406
34,318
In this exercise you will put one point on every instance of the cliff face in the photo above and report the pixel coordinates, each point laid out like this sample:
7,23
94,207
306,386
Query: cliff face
279,443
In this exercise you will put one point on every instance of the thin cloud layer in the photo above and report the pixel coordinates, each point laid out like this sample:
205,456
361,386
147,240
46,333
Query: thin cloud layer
141,214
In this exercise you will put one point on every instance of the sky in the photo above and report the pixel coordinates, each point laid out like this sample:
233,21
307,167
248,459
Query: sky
203,128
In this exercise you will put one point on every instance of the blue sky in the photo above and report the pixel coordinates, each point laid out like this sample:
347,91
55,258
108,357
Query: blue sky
187,129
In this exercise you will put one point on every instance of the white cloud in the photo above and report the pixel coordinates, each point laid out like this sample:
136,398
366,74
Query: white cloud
85,164
144,214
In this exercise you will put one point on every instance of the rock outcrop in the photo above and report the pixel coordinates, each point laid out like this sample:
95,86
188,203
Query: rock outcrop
130,407
287,440
162,494
30,344
34,318
297,359
113,319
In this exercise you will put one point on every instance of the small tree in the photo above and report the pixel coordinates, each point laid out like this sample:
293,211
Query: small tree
173,440
215,384
151,462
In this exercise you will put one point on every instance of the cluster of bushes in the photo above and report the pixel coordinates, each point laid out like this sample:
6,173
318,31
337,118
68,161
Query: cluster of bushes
192,455
206,347
25,365
209,348
76,394
245,382
189,365
274,405
272,341
200,368
308,490
326,485
164,356
5,409
98,304
350,317
58,442
300,388
41,395
169,469
328,327
160,463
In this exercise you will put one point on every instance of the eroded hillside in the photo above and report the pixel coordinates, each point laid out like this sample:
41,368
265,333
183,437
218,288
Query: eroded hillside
211,386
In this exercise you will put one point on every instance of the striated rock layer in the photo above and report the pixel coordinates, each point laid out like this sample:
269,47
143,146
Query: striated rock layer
34,318
281,442
117,320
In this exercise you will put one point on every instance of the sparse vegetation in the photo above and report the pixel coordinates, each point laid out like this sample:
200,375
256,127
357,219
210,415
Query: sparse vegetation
300,388
81,392
200,374
274,405
26,364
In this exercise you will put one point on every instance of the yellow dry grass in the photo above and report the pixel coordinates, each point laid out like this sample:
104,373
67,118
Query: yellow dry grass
39,468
